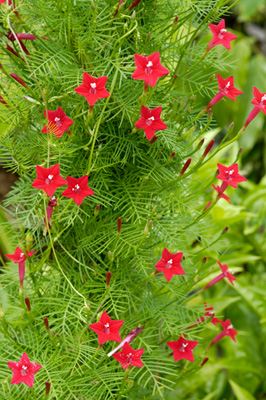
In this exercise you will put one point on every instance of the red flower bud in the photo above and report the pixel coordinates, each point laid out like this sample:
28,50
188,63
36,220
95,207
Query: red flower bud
47,388
19,80
108,278
204,361
27,302
13,52
134,4
119,5
2,101
46,323
204,260
96,210
208,148
225,229
200,144
172,155
175,21
187,163
153,140
119,223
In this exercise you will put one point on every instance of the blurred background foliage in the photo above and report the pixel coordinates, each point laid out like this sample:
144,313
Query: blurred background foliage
238,370
234,370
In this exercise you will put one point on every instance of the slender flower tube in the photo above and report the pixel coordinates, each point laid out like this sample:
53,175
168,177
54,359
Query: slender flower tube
131,336
13,52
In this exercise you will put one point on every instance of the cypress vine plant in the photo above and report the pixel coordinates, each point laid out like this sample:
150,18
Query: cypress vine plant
92,255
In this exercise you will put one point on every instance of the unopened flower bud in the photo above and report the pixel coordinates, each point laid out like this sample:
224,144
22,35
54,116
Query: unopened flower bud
187,163
119,223
47,388
96,210
29,241
172,155
108,278
148,37
160,153
93,5
150,225
133,16
46,323
225,229
27,302
212,77
193,98
153,140
209,116
208,148
200,144
175,21
204,361
204,260
110,256
19,80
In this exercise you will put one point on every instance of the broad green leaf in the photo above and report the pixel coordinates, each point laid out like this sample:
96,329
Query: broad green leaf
241,393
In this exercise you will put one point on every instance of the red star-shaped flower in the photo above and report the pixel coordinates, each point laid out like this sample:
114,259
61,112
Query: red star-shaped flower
93,89
170,264
107,329
150,121
228,329
48,179
77,189
23,370
149,68
220,36
226,273
182,348
230,175
259,100
128,356
19,258
226,86
222,195
58,122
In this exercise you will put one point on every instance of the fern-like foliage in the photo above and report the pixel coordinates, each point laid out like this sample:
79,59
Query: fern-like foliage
132,179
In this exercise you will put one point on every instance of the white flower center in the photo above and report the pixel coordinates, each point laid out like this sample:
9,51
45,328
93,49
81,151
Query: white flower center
150,64
57,119
149,121
93,85
106,325
227,85
231,172
50,177
230,327
263,100
221,33
22,255
76,189
182,348
24,370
